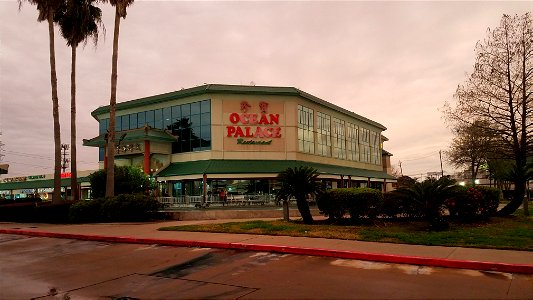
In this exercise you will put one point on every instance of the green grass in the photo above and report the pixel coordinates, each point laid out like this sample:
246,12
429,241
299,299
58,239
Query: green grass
512,232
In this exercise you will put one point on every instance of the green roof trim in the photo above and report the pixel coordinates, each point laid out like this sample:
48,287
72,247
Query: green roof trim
134,135
255,166
35,184
230,89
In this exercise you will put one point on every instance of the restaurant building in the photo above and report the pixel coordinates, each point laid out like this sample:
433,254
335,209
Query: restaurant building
230,141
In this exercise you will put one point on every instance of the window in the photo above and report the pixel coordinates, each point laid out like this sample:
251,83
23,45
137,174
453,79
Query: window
158,118
103,126
306,141
141,119
375,149
364,147
126,122
191,123
339,139
323,134
150,118
167,117
352,142
133,121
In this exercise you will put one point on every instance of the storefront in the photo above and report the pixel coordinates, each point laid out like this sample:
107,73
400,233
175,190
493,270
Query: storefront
41,186
229,142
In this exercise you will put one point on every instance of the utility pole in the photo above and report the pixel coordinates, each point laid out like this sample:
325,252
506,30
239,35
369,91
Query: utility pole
441,170
64,163
400,163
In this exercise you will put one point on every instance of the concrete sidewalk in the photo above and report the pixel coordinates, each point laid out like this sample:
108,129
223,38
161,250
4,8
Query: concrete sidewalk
147,233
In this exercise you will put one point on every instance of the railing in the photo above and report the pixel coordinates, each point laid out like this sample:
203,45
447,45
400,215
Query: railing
215,200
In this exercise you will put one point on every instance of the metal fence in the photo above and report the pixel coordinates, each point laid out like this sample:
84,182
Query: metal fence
215,200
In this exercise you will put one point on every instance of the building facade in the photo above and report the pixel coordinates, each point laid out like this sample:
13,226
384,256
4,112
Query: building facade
215,141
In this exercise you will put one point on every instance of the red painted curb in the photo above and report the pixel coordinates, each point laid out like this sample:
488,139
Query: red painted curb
388,258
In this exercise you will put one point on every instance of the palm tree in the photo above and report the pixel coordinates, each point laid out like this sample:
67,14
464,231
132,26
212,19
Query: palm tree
78,21
429,196
120,12
299,182
47,9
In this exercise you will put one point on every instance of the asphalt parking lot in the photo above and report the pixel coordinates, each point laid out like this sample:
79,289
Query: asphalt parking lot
48,268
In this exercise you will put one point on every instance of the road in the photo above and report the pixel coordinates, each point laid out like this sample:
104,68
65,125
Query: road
47,268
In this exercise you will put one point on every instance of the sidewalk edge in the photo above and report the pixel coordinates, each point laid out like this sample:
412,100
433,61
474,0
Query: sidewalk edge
387,258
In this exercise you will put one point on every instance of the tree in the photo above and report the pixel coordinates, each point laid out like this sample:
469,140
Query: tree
299,182
498,92
470,147
128,180
78,21
120,12
47,9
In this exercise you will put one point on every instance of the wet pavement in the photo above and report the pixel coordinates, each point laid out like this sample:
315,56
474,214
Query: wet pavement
49,268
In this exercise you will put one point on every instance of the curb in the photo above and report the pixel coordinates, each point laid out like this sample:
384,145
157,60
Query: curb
387,258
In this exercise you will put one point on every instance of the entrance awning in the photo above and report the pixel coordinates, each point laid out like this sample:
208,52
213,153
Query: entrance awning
235,166
135,135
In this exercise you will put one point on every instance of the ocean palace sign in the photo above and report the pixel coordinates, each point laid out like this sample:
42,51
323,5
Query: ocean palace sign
254,125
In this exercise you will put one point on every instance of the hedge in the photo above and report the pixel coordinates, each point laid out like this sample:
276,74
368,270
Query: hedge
358,202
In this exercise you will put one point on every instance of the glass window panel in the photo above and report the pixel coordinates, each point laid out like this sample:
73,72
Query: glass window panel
195,108
185,110
205,106
205,119
133,121
126,122
205,132
118,123
103,126
158,118
195,120
176,112
150,118
141,119
167,117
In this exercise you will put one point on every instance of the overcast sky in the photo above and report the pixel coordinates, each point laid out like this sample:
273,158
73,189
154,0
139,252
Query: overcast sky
393,62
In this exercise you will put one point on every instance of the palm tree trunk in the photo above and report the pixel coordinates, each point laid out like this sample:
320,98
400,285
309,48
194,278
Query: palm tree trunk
73,164
286,216
110,182
303,208
56,196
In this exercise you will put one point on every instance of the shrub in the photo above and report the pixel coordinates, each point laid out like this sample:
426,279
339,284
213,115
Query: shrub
473,203
86,211
127,207
366,203
394,205
333,203
491,200
359,202
128,180
428,198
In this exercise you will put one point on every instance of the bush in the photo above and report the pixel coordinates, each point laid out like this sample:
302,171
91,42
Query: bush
333,203
359,202
366,203
127,207
395,205
128,180
35,211
474,203
86,211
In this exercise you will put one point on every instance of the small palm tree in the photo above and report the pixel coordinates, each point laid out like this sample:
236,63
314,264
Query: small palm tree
47,9
429,196
120,12
78,21
299,182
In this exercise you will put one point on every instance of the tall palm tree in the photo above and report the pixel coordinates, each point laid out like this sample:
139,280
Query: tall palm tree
299,182
78,21
120,12
47,9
